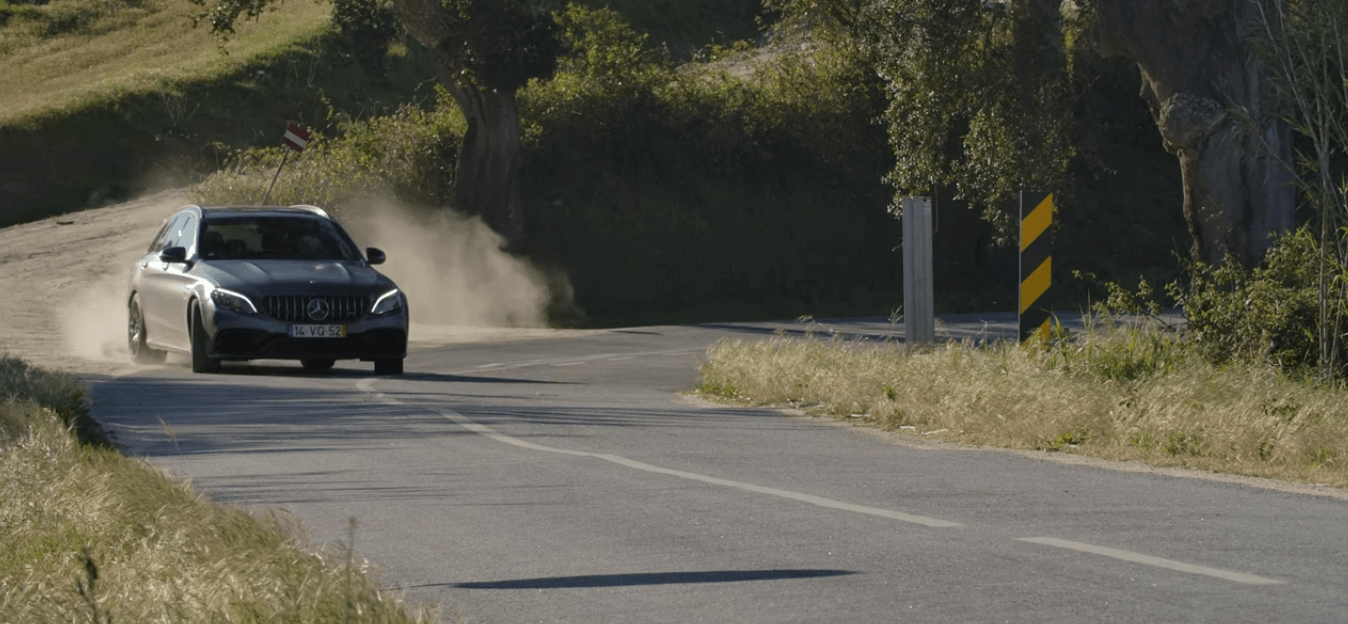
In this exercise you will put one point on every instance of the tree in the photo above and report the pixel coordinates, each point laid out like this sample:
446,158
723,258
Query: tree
1199,62
982,97
484,51
979,97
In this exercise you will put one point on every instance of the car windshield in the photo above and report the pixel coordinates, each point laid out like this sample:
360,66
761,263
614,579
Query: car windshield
273,238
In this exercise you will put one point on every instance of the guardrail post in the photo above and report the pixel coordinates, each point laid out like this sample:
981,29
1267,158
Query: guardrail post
919,319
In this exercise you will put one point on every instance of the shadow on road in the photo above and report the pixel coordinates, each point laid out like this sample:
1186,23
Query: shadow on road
652,578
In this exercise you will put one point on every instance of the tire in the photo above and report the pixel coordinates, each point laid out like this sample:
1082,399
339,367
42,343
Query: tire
141,353
393,366
317,364
201,347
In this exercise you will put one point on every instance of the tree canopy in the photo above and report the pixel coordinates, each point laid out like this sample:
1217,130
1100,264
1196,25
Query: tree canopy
984,98
484,51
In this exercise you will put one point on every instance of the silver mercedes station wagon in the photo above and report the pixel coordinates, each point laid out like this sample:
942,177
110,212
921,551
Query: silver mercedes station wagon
240,283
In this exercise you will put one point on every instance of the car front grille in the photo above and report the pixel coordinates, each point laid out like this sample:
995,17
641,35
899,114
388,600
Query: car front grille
295,308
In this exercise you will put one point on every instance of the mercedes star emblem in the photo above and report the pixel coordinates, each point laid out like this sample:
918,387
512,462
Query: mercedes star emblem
317,309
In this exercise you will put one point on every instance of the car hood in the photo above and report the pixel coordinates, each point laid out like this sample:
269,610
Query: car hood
292,277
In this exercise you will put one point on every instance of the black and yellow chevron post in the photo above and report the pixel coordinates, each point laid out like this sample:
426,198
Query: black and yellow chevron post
1036,262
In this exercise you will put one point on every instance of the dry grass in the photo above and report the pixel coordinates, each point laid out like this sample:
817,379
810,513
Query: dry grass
88,535
111,47
1128,394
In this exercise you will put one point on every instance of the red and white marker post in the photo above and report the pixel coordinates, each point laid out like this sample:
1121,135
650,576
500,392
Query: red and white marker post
295,138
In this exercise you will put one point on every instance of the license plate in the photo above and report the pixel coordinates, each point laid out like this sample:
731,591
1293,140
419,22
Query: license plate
317,331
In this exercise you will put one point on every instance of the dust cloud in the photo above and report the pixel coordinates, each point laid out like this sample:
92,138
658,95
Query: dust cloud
87,294
94,322
454,270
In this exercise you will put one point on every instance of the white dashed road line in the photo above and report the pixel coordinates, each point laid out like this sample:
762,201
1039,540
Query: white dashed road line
367,385
1235,577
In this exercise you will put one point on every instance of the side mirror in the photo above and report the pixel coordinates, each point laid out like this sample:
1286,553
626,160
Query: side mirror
173,254
375,256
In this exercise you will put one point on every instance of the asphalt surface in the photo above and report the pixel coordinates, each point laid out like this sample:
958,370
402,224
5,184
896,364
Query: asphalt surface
568,480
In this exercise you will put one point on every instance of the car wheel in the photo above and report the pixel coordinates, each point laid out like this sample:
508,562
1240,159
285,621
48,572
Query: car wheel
201,347
392,366
135,336
317,364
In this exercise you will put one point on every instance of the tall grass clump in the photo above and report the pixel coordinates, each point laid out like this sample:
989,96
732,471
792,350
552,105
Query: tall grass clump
62,395
1119,392
89,535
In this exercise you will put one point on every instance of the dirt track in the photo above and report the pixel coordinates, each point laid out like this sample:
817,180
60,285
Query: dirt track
60,280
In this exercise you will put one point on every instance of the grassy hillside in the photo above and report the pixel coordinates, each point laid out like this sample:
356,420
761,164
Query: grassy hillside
67,55
102,101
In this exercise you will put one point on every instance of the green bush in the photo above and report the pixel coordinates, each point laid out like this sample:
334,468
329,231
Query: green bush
744,184
1268,313
408,155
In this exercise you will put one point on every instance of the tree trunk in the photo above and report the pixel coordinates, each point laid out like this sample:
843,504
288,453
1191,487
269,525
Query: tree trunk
1198,67
487,171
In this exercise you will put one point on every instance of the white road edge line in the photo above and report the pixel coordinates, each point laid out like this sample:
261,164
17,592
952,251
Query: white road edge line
367,385
1237,577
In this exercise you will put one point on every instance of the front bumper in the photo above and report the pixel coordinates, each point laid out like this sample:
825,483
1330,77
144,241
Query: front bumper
237,336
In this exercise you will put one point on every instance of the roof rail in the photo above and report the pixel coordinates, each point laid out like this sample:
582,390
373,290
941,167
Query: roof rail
314,209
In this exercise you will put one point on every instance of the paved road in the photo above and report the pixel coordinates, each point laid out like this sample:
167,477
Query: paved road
566,480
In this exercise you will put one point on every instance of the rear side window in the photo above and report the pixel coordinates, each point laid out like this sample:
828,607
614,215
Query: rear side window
183,234
161,240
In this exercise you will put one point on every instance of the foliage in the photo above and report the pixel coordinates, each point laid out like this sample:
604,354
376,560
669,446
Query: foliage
498,44
978,92
1267,314
367,28
746,186
407,155
749,179
1303,50
985,99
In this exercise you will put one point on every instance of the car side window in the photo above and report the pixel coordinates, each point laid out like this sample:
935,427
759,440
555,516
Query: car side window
174,235
187,234
157,244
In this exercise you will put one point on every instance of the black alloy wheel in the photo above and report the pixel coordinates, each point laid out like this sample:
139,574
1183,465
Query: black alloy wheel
201,346
141,353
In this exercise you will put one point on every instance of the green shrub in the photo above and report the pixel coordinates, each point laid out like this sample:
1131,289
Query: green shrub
1268,313
747,184
408,155
366,29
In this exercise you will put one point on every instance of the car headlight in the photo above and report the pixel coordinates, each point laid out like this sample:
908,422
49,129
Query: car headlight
233,301
387,303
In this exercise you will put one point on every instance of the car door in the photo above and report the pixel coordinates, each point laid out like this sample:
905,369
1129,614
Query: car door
147,282
167,286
